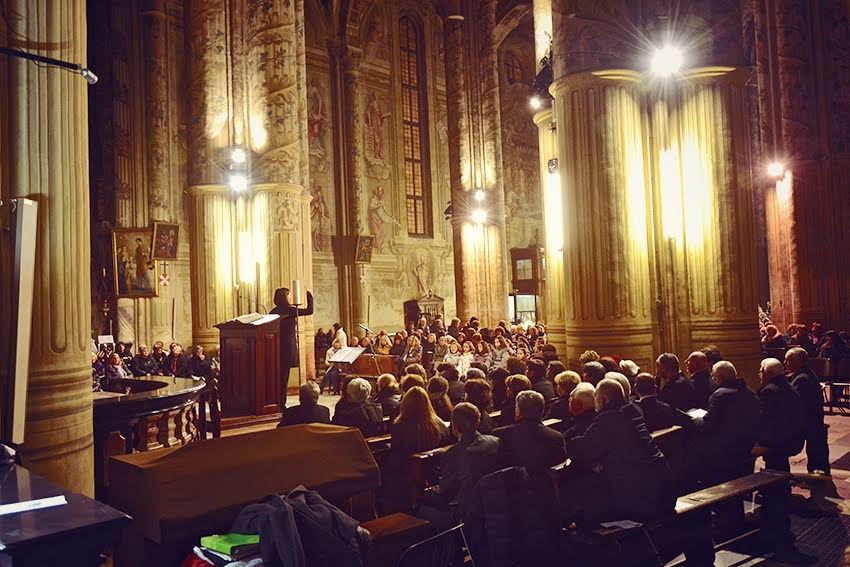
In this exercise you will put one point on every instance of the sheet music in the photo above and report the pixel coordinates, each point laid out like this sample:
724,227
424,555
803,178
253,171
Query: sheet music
347,354
256,318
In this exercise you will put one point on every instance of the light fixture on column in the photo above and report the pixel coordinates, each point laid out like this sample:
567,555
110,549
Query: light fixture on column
535,102
479,216
480,195
238,156
238,182
776,169
667,61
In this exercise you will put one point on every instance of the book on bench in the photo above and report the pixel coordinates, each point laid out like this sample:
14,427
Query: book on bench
233,546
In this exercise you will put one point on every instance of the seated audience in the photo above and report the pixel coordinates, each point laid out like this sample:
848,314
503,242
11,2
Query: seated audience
656,414
537,375
588,356
498,380
417,369
359,411
413,352
697,366
399,346
144,364
592,372
807,385
565,383
331,377
833,347
634,471
388,395
438,392
466,358
176,363
115,369
442,350
528,443
499,354
123,352
773,338
630,370
476,373
553,368
158,353
623,381
513,386
308,409
477,392
713,354
417,427
199,364
453,355
610,364
676,390
482,352
383,345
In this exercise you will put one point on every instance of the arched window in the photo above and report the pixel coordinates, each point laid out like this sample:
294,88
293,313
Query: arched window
414,114
513,69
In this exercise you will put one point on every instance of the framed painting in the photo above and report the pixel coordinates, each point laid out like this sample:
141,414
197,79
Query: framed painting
134,269
363,251
165,241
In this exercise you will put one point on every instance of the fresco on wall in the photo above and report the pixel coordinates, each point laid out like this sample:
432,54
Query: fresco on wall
381,222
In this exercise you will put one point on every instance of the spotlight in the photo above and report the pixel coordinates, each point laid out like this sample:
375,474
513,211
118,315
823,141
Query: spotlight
479,216
776,169
88,75
238,182
479,195
666,61
535,102
238,156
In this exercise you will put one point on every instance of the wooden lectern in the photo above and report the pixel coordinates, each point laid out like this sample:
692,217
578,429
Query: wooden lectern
250,365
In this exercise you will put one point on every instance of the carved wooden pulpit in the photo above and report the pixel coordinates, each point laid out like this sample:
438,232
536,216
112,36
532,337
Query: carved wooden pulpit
250,365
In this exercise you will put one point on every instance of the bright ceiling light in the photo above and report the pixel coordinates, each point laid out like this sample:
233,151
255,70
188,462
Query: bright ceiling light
479,195
776,169
666,61
535,102
238,156
479,216
238,182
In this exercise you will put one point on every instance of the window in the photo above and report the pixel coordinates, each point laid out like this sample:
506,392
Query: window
415,127
513,70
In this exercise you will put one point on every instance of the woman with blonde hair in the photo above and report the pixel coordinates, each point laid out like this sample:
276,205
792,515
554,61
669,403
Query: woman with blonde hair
384,344
413,352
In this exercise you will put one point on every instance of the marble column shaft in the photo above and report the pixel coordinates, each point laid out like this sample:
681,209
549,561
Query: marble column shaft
48,162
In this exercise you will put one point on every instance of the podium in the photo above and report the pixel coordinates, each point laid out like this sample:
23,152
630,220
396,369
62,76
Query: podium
250,365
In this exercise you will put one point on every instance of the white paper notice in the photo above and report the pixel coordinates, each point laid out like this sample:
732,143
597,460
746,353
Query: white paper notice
28,505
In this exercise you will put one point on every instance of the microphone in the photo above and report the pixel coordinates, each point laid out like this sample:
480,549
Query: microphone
365,328
249,300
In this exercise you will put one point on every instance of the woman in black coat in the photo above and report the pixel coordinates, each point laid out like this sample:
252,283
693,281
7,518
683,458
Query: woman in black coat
288,345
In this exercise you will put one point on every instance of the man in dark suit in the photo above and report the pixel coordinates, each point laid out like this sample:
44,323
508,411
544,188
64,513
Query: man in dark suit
635,475
144,364
807,385
675,390
697,366
176,363
582,408
656,414
528,443
308,410
471,458
536,373
779,438
359,411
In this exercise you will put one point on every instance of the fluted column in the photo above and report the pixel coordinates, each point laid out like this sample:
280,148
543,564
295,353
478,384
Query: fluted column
475,162
701,144
553,229
47,145
608,300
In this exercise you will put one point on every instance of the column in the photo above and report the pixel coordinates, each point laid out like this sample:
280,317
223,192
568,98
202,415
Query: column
47,149
553,230
351,198
607,285
701,144
481,269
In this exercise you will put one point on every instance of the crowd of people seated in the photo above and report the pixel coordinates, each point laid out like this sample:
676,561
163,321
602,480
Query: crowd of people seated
111,366
605,414
814,339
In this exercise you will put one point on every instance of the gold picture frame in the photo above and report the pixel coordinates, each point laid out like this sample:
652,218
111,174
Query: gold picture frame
135,273
165,239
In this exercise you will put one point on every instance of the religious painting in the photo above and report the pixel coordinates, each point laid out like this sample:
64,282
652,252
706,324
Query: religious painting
134,268
165,241
316,119
377,46
379,219
319,218
375,117
363,252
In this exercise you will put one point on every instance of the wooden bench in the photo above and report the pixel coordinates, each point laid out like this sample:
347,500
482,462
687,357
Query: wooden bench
392,535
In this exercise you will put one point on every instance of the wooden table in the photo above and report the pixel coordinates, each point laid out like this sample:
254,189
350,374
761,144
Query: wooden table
74,534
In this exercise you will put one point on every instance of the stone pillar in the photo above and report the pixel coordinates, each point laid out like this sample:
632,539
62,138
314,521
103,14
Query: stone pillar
542,12
352,196
553,229
47,160
481,269
608,300
707,223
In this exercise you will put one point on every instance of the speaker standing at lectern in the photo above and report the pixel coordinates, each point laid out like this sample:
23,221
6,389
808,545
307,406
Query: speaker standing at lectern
288,345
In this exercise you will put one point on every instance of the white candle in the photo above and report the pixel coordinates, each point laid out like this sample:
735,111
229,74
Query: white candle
297,293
